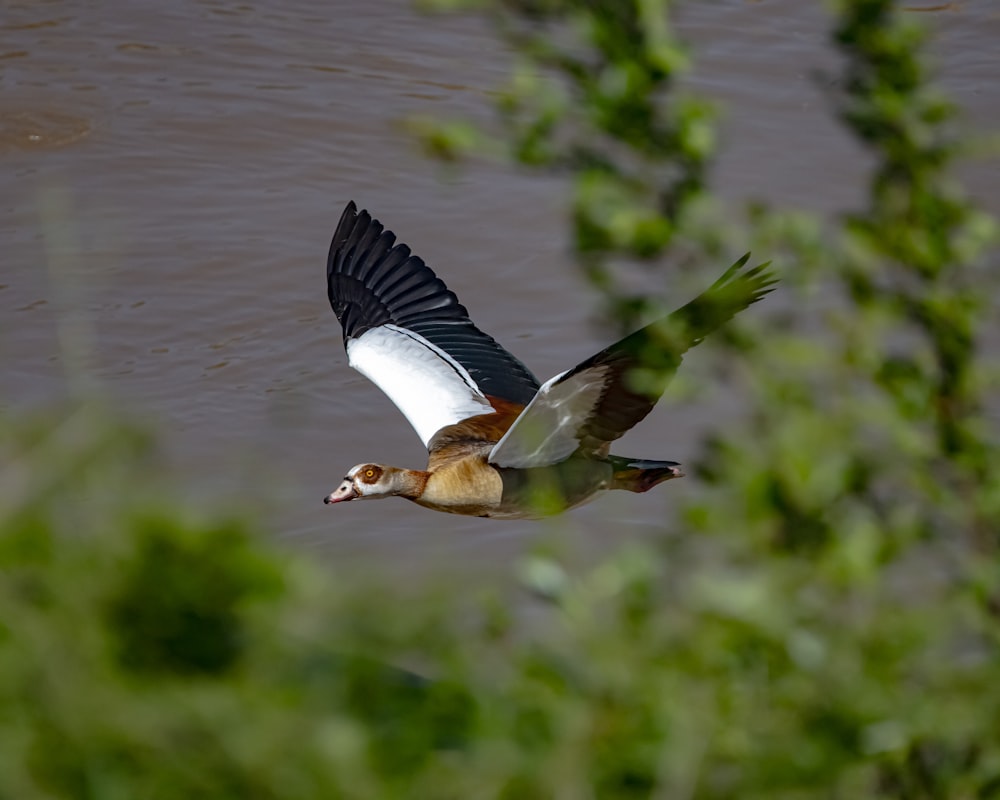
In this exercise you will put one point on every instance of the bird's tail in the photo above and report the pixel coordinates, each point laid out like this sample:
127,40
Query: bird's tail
641,475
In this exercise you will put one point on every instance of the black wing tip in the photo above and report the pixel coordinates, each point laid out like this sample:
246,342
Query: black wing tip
342,234
759,281
348,218
348,215
368,266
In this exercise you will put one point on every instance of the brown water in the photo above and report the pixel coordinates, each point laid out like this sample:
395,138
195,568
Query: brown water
170,175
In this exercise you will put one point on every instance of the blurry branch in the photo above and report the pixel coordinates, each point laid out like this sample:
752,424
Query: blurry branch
593,96
857,508
919,246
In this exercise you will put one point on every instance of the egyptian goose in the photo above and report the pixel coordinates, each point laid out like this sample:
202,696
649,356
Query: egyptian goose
499,443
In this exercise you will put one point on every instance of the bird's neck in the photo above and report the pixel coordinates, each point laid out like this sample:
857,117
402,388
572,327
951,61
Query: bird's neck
408,483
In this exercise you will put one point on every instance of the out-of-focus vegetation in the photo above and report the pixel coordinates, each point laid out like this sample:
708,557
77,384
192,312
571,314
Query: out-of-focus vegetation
824,622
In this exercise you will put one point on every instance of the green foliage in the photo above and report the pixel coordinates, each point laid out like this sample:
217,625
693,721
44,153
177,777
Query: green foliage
825,622
593,96
177,606
857,507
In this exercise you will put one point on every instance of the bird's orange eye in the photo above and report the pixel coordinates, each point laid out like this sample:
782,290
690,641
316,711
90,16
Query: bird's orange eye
369,473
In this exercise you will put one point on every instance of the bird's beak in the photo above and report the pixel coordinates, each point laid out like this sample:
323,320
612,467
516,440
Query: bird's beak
342,493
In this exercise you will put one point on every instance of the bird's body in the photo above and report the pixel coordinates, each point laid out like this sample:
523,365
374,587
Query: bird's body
500,444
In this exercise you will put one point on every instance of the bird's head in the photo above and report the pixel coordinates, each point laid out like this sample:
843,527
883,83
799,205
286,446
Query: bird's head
365,481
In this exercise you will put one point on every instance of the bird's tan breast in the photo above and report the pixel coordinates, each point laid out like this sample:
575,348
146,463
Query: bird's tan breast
464,486
461,479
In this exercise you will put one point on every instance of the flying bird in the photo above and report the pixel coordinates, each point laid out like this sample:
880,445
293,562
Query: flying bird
500,444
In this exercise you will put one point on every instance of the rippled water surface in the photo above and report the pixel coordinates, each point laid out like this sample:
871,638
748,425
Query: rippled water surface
170,175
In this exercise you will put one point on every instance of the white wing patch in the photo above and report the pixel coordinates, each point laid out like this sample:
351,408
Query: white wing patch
430,387
546,432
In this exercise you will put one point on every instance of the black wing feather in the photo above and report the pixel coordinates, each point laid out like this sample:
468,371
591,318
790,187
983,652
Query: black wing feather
373,281
642,364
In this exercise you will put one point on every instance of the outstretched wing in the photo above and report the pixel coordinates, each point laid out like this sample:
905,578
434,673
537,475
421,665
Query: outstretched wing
600,399
407,332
